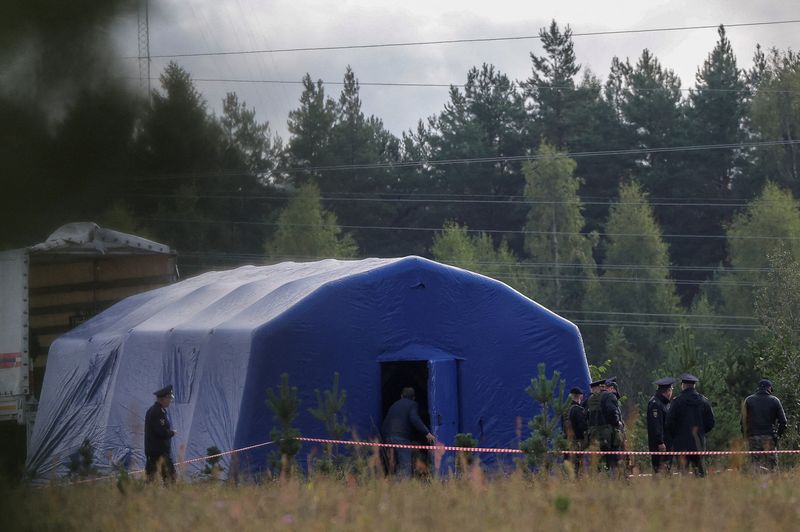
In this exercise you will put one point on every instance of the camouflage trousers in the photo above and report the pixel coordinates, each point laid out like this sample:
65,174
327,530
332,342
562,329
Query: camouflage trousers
765,461
607,438
575,459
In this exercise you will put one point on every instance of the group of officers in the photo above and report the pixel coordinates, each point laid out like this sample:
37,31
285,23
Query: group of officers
676,425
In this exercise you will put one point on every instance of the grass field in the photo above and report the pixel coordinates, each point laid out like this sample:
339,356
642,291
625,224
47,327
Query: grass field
724,501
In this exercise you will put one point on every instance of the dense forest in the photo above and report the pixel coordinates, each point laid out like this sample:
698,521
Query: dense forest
661,220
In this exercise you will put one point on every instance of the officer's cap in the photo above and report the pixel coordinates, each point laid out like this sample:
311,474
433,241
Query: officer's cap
689,378
597,383
666,381
612,382
164,392
575,390
765,383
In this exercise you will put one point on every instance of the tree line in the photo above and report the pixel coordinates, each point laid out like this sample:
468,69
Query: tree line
662,221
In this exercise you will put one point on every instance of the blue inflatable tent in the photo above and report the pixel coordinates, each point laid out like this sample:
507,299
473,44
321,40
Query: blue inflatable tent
468,344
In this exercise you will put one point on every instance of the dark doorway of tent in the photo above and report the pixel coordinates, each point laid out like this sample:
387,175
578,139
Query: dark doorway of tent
435,383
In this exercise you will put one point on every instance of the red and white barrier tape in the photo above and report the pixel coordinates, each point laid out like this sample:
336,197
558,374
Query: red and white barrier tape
440,448
224,453
685,453
182,462
520,451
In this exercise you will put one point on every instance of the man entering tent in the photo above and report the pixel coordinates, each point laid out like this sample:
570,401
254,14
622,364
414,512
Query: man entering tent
399,427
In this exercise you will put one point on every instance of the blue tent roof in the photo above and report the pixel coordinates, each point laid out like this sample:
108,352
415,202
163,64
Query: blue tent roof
223,338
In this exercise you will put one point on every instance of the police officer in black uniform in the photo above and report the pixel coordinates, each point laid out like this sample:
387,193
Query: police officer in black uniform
157,437
576,428
657,409
763,422
689,419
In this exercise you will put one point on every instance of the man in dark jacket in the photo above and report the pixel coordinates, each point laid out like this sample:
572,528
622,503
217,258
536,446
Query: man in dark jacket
613,433
657,409
575,428
605,422
763,422
157,437
689,418
595,388
401,424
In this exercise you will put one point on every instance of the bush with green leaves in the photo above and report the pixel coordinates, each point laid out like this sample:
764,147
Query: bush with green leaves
80,462
212,467
465,459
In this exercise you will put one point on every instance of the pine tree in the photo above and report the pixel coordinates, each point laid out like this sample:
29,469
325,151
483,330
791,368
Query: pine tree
248,144
483,121
553,239
776,117
770,221
327,137
180,138
636,281
716,113
547,436
306,231
551,85
329,411
285,407
649,98
477,253
310,129
778,348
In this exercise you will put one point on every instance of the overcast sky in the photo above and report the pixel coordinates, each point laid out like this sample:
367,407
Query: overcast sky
191,26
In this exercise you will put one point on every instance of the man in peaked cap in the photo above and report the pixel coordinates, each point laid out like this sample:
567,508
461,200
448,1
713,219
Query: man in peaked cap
689,418
157,437
595,387
763,422
657,409
575,427
605,422
614,431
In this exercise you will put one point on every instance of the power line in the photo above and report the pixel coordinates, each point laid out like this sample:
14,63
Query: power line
460,41
495,159
534,157
462,85
564,278
659,325
277,197
504,276
653,314
399,195
492,231
260,257
647,324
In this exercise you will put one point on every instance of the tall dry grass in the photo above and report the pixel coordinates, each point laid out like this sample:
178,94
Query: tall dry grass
723,501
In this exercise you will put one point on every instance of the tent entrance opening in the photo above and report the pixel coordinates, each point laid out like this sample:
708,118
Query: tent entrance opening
397,375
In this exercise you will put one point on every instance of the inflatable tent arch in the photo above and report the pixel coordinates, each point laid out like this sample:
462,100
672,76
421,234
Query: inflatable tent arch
468,343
